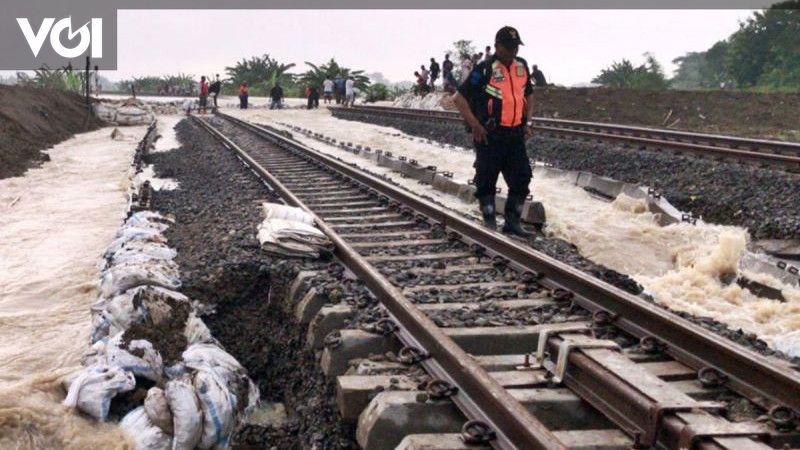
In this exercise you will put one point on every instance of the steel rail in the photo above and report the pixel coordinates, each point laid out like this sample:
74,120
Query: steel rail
775,153
481,396
767,381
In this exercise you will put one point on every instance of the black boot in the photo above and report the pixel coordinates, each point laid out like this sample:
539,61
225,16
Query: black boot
513,214
488,211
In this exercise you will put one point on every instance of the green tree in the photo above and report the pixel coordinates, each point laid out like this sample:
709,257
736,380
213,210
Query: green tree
65,79
624,74
260,73
331,69
376,92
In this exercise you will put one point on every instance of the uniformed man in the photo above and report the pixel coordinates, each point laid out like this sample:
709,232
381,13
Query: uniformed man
496,100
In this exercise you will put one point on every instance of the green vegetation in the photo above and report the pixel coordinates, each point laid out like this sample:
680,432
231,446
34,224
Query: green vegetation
376,92
623,74
318,73
260,73
65,79
763,55
180,84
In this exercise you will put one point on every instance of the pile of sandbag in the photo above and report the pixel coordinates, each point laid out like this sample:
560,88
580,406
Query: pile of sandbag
146,333
128,112
290,232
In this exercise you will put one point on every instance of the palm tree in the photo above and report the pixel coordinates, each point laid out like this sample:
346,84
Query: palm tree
260,73
318,73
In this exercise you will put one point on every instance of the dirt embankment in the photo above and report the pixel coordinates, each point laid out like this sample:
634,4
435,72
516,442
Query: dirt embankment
739,113
32,120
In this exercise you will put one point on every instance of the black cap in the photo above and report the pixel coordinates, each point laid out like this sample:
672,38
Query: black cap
508,36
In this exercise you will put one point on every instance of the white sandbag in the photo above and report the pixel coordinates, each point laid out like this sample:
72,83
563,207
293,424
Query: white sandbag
152,250
119,278
210,356
187,415
145,434
218,405
124,355
118,243
131,115
286,212
149,219
94,387
96,354
197,332
134,233
290,238
104,112
157,409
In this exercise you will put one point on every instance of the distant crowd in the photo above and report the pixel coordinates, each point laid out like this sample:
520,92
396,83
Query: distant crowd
426,77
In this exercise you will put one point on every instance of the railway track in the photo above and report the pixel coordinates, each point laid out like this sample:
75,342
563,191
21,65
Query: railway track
547,357
767,153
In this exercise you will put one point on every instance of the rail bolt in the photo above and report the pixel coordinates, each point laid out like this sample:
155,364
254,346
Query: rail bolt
453,236
562,295
478,249
386,327
477,432
411,355
782,416
499,261
650,344
602,317
440,389
710,377
333,339
531,276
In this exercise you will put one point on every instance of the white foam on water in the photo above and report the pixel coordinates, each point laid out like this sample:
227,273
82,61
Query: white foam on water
55,223
679,264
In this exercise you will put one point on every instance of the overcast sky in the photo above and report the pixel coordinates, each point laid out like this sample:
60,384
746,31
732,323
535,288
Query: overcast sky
570,46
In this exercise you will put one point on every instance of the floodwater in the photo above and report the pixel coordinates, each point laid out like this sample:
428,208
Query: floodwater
678,264
55,223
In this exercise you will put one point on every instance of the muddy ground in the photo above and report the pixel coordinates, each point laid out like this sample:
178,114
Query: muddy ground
765,201
727,112
217,210
32,120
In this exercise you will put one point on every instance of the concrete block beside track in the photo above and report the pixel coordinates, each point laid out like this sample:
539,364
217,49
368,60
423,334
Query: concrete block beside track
355,344
391,416
417,172
445,184
328,319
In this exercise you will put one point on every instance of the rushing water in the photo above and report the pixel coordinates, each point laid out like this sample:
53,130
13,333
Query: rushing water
55,223
679,264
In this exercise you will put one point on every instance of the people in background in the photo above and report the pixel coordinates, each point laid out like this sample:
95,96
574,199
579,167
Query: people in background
350,92
538,77
423,72
434,68
327,90
466,67
244,91
276,95
313,97
214,89
339,88
447,74
203,94
487,54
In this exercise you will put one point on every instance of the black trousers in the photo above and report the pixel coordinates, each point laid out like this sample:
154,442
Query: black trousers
505,153
243,101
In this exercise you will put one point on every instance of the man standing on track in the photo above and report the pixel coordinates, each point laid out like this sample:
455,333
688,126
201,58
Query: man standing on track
327,90
350,92
276,96
496,100
203,94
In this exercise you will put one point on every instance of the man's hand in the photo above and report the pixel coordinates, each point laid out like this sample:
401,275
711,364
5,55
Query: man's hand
479,134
